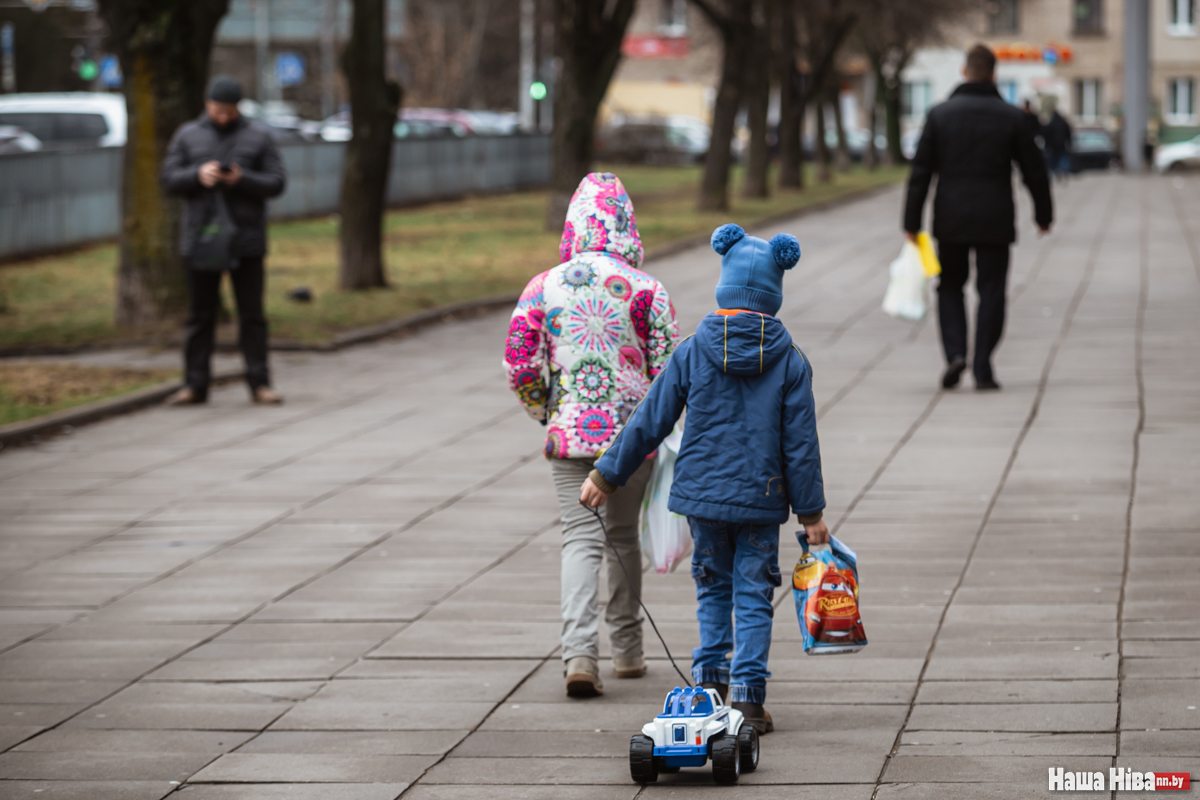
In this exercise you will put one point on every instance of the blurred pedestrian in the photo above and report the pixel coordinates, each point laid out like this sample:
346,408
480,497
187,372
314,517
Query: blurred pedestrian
970,142
584,343
223,160
1032,122
1059,138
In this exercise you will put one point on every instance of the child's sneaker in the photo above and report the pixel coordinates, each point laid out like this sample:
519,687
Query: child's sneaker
583,678
758,717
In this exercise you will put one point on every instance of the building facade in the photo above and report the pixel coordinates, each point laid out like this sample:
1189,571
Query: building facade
1069,54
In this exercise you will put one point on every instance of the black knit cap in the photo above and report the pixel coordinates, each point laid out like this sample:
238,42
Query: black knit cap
224,89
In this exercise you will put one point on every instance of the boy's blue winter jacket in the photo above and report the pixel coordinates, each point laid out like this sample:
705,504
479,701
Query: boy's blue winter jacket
750,442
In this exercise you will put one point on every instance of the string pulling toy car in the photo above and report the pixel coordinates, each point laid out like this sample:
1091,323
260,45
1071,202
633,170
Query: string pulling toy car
694,726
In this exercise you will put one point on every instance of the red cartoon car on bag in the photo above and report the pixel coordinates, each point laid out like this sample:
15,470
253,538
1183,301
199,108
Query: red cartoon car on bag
831,612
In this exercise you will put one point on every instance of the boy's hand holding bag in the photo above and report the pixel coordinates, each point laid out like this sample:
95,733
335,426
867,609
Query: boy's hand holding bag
825,588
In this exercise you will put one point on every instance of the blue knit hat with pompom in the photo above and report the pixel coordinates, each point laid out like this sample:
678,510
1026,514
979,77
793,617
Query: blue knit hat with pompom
752,269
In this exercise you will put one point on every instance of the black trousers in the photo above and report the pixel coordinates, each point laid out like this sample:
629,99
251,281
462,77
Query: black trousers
204,292
991,281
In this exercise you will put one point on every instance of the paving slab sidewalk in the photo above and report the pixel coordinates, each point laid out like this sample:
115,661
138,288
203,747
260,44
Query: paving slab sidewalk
356,595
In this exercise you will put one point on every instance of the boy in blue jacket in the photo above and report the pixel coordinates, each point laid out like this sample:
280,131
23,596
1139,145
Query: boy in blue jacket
749,454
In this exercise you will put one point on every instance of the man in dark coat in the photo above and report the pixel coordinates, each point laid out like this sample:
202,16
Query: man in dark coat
1059,138
970,142
223,152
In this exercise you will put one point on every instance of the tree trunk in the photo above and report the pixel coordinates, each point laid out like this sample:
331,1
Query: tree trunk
871,91
588,41
374,101
736,37
758,98
890,88
843,147
164,48
824,172
791,106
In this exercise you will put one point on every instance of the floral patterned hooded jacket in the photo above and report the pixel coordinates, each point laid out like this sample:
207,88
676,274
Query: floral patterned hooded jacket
589,336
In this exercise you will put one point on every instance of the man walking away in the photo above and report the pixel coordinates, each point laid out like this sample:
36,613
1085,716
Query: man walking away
1032,122
223,152
970,142
1059,139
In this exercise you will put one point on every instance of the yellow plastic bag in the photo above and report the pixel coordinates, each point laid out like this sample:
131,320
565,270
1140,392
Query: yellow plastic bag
929,259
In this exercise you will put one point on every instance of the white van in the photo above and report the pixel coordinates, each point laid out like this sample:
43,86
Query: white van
97,118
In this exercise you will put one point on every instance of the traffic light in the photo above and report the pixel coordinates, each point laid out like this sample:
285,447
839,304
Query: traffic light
537,90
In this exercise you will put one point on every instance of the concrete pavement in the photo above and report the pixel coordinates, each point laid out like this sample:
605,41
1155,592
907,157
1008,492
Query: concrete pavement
354,596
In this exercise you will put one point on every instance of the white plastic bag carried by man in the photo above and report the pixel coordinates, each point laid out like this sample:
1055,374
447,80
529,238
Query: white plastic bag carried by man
666,538
910,275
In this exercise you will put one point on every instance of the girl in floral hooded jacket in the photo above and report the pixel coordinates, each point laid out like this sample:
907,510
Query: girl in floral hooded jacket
584,343
588,336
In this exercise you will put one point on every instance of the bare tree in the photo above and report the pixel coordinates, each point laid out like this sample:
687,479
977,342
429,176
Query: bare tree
374,101
733,20
785,48
164,48
587,40
890,33
758,98
445,43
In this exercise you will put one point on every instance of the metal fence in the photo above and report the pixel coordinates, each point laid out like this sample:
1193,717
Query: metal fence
60,198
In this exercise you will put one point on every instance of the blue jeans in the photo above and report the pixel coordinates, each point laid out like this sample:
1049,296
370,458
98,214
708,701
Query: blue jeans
736,569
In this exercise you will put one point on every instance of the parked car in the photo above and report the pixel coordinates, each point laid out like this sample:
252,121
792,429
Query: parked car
414,123
1094,149
673,139
17,140
67,118
1180,155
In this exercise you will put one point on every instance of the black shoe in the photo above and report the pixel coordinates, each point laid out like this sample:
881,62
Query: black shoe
953,372
989,385
721,688
756,716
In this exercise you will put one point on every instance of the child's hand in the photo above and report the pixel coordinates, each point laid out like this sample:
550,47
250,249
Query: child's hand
591,495
817,533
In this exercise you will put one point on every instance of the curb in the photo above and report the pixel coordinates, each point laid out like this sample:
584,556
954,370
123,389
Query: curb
63,421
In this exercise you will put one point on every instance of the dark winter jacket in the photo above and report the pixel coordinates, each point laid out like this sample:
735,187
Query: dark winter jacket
970,142
750,446
1057,134
263,176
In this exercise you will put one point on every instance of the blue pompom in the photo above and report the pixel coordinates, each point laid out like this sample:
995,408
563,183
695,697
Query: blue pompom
785,248
726,237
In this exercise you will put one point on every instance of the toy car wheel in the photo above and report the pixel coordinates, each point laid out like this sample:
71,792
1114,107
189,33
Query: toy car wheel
643,766
748,743
726,759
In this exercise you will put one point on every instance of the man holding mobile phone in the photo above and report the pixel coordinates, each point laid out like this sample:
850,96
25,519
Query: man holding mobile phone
221,151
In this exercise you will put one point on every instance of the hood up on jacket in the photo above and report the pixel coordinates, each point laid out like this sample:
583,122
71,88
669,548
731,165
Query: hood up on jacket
742,343
600,220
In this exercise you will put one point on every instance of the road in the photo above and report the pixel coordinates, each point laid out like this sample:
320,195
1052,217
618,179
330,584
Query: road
355,596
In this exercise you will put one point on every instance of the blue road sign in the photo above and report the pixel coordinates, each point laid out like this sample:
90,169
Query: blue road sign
289,69
110,72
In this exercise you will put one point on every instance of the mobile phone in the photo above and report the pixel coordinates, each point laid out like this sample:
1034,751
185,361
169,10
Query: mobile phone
225,168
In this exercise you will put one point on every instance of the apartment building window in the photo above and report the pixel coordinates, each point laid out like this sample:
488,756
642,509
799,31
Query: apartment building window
1181,101
672,17
1087,99
1002,16
1181,17
915,99
1089,17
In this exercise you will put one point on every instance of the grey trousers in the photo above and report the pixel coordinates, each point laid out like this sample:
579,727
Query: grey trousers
583,549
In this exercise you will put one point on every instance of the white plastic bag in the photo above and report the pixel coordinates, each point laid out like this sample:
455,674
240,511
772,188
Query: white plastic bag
666,537
905,297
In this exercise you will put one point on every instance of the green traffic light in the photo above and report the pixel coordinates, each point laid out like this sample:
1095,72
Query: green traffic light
537,90
88,69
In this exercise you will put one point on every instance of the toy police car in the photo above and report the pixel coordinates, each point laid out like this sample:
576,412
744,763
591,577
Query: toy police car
693,727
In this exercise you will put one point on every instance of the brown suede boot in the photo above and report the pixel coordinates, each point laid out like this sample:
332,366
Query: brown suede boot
757,716
583,678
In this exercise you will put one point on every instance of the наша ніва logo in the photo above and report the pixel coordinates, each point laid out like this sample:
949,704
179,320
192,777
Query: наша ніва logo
1119,779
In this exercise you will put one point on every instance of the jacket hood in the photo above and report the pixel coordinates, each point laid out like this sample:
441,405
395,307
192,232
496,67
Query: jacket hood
600,220
742,343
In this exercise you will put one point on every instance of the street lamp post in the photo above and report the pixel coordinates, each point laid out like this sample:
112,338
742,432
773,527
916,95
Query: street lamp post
1137,83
